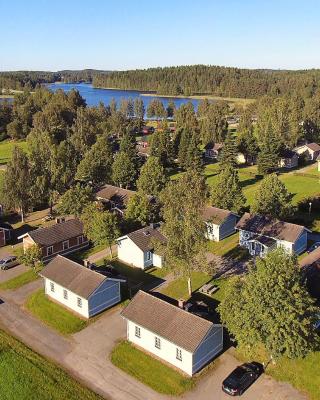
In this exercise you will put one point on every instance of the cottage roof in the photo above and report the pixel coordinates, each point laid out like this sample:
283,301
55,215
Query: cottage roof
270,227
114,193
313,146
143,238
180,327
311,258
57,233
73,276
215,214
213,146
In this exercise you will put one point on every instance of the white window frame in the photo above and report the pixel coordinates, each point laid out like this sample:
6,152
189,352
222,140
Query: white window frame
178,354
137,332
80,239
149,255
157,342
48,252
79,302
52,287
66,242
65,294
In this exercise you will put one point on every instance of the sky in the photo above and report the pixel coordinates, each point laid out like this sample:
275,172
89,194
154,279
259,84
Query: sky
53,35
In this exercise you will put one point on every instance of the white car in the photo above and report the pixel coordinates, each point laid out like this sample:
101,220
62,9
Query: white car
8,262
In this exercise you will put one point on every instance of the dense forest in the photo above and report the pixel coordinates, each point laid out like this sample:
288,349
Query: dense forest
214,80
18,80
183,80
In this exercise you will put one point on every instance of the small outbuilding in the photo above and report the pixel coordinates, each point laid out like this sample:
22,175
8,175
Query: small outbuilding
288,159
78,288
184,340
137,248
310,150
219,223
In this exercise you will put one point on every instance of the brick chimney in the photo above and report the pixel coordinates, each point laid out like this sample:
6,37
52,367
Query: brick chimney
181,304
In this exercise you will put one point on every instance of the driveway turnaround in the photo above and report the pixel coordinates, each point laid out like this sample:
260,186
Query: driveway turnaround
85,355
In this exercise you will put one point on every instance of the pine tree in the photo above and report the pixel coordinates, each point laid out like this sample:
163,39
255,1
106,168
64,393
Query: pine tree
273,198
228,154
272,307
227,192
268,158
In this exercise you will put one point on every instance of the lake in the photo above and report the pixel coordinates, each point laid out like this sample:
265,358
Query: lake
94,96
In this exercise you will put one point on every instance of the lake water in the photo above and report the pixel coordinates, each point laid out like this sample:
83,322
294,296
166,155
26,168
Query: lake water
93,96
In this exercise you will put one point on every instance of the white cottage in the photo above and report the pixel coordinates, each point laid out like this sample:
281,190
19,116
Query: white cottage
261,234
219,223
78,288
137,248
180,338
310,150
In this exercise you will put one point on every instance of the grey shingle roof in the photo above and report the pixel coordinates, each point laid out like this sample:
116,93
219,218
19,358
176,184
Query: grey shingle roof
116,194
216,215
73,276
180,327
57,233
270,227
145,237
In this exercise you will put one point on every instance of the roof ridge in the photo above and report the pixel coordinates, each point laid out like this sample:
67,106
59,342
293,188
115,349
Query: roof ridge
176,307
79,265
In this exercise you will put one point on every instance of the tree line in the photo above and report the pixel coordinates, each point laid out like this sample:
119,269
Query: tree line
214,80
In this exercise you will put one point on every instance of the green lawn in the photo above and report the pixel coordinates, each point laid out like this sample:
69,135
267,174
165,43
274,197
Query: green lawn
150,371
6,148
20,280
229,247
300,373
27,375
53,314
300,184
178,289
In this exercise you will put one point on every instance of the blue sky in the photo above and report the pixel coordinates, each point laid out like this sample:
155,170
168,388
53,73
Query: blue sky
123,34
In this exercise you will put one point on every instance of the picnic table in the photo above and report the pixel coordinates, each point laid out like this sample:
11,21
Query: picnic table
208,288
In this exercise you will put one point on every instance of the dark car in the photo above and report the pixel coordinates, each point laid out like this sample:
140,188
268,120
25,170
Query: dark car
241,378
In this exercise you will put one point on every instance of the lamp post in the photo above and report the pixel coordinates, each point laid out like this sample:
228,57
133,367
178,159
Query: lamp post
310,205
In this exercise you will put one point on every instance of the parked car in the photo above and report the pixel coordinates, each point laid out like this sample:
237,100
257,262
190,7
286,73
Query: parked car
8,262
241,378
313,247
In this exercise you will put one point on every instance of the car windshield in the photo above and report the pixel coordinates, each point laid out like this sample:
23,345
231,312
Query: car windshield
2,261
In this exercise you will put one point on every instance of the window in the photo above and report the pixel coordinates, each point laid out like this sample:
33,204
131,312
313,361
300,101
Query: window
49,250
65,294
80,239
157,342
52,286
179,354
79,302
148,255
137,332
65,245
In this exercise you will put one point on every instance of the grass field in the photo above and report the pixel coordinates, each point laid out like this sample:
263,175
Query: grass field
6,148
150,371
28,376
300,373
229,247
20,280
53,314
300,184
